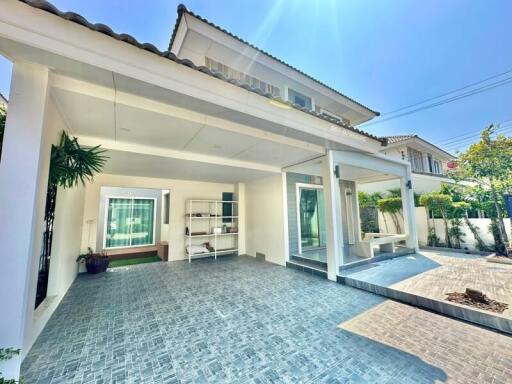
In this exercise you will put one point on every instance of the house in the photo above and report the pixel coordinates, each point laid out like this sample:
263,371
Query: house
271,154
429,163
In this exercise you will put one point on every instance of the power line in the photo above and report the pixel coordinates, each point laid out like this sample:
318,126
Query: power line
469,136
500,125
469,141
454,98
447,93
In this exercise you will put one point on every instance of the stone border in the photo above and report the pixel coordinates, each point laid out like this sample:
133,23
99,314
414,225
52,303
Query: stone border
444,307
455,250
492,258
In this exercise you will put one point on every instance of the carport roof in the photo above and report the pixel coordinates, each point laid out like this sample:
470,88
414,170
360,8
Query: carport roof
126,38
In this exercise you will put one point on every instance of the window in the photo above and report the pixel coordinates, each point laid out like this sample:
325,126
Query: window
430,163
299,99
227,208
416,159
311,216
129,222
231,73
166,204
436,167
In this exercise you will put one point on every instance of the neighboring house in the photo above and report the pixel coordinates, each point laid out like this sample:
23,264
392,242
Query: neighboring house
3,101
211,120
429,163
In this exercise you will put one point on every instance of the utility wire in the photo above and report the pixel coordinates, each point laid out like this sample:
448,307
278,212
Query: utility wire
445,101
470,136
447,93
476,132
469,141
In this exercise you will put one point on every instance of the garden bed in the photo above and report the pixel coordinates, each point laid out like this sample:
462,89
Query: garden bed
477,299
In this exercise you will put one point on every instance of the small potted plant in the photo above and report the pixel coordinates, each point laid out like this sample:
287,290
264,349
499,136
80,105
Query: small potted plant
94,262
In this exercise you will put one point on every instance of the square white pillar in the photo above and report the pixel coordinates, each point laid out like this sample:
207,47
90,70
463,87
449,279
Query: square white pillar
240,212
409,210
23,177
333,219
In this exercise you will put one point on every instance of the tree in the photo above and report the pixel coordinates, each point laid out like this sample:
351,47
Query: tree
441,204
488,163
367,200
393,206
70,165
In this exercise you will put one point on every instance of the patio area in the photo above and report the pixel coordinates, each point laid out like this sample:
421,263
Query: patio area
239,320
424,279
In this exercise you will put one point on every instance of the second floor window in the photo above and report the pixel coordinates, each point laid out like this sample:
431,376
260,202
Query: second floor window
434,166
416,160
299,99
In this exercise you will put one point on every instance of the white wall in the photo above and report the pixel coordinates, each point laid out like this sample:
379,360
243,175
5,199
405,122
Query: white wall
265,220
181,190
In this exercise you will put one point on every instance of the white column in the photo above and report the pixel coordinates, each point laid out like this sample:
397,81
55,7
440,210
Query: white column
333,218
240,197
23,181
285,217
408,210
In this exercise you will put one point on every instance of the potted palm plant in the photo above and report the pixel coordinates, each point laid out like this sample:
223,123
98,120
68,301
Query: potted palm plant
70,165
94,262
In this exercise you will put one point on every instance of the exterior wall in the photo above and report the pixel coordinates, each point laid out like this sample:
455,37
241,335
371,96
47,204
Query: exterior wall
420,184
292,179
265,219
106,192
344,184
181,190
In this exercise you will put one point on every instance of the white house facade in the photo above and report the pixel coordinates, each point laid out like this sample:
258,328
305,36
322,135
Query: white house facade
429,163
212,121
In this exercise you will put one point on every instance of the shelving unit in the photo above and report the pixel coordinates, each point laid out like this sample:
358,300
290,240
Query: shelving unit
201,217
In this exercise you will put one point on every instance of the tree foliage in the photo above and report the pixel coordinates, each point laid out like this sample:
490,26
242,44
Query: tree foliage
488,163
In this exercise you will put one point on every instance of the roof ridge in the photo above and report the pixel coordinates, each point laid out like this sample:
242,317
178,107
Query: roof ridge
126,38
182,8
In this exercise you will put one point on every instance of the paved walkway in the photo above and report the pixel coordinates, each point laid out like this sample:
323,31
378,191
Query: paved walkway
433,274
243,321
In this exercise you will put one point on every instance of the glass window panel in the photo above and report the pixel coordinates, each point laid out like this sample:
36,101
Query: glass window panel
118,223
309,231
142,222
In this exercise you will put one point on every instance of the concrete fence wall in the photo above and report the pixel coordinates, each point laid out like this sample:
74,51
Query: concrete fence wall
386,225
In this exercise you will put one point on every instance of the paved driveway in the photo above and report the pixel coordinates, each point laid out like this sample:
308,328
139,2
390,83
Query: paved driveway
243,321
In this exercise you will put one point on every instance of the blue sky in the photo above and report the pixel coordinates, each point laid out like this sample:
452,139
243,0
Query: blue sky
385,54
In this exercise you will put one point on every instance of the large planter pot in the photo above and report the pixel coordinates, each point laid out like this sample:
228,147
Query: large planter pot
97,264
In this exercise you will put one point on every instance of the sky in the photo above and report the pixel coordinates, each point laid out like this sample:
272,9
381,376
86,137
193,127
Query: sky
384,54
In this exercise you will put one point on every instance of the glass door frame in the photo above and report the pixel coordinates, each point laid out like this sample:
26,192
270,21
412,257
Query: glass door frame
105,221
298,187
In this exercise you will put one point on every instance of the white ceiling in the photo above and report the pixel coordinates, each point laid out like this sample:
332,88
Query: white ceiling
135,164
100,118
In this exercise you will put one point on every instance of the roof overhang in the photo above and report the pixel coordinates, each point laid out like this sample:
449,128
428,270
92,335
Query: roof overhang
421,144
189,21
78,50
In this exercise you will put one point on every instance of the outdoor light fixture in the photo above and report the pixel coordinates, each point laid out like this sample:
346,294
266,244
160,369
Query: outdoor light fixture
337,171
409,184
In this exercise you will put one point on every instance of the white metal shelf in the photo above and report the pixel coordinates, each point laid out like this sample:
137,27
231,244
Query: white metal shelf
212,210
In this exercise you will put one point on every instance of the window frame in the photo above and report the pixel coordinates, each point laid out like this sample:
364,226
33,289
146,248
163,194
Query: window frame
298,187
105,223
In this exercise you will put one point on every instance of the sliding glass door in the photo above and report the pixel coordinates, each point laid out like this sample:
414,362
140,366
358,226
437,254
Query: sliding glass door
311,212
130,222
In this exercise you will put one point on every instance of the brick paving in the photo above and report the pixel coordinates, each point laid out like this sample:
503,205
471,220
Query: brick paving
238,320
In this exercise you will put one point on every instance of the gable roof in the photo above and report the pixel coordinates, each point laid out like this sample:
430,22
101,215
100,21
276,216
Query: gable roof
3,99
182,9
126,38
405,138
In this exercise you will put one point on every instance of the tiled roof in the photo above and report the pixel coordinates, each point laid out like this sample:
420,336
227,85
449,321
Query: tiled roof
183,9
398,138
106,30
